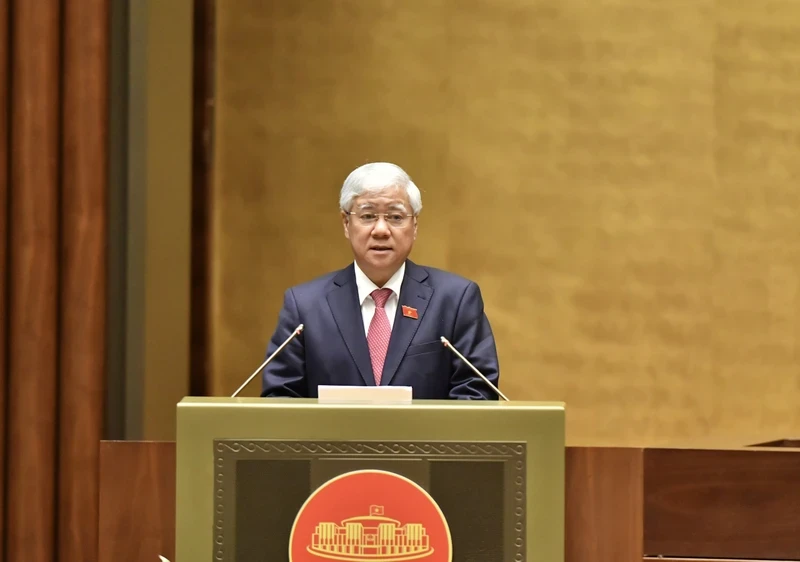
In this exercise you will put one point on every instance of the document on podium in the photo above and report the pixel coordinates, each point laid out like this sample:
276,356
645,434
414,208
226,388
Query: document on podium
344,394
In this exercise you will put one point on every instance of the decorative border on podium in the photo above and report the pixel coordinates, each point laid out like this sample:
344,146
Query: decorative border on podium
512,452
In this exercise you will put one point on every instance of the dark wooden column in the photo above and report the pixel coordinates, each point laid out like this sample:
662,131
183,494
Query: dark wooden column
4,46
83,273
53,123
33,280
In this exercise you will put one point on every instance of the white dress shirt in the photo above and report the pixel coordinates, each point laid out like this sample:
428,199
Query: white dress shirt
366,286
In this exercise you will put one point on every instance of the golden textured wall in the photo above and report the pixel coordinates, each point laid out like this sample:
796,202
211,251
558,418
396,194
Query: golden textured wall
621,177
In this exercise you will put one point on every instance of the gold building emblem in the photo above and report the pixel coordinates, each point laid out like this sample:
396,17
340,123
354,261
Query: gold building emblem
372,537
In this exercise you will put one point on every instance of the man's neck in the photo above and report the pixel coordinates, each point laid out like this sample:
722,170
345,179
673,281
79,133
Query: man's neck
366,283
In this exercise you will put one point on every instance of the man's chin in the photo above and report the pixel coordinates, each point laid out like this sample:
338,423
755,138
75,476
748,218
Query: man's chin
383,264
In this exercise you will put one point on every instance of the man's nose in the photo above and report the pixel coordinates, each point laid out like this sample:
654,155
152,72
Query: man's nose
381,227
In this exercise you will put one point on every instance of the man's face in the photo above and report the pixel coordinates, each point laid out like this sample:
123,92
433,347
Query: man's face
379,246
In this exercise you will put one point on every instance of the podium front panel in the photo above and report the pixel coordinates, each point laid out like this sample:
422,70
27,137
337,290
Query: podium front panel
274,479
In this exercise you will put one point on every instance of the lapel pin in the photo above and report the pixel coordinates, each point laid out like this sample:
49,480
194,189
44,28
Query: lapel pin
409,312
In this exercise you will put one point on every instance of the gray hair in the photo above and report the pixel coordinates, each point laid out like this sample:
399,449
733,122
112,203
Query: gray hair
375,177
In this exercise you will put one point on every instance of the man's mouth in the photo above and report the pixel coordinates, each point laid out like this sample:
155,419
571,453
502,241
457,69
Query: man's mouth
380,248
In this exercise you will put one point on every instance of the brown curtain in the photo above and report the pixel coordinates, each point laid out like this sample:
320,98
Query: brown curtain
53,153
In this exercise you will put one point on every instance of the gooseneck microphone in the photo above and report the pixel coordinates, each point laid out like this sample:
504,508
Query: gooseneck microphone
471,366
294,334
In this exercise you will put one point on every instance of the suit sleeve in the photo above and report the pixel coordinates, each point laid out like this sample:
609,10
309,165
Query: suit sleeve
285,376
473,337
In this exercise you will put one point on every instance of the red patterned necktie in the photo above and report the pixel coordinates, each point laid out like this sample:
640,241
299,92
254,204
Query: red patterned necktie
379,333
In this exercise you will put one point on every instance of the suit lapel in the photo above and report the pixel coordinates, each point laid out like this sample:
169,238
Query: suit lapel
346,309
413,293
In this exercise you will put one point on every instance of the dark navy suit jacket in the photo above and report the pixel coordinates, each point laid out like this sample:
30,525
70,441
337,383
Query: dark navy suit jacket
332,349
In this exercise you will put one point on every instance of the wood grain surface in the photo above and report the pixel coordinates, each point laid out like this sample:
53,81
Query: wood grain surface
83,274
604,505
4,191
137,501
202,200
722,504
53,240
34,283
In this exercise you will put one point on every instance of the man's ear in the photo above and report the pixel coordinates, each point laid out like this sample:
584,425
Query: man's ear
345,223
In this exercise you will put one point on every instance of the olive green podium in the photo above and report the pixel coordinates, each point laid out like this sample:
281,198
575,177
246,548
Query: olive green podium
294,479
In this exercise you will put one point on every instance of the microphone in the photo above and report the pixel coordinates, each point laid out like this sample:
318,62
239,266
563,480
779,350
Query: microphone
465,360
295,333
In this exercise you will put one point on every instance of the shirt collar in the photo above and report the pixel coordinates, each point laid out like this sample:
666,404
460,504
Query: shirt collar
366,286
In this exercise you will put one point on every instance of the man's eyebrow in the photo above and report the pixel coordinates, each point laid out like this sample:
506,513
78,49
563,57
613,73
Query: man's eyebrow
399,206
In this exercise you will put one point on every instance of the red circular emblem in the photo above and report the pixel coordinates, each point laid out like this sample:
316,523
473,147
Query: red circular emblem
370,515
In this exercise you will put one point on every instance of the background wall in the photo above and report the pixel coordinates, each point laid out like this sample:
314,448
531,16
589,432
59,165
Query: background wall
620,177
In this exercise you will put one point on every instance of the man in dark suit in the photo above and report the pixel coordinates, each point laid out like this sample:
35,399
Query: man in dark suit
379,320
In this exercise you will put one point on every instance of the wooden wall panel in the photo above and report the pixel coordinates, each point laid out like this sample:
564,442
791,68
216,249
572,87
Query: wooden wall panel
34,276
53,240
600,481
579,160
83,274
137,501
4,191
722,504
202,159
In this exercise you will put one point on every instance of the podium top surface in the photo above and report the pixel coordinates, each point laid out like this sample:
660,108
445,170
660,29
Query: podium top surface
255,402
